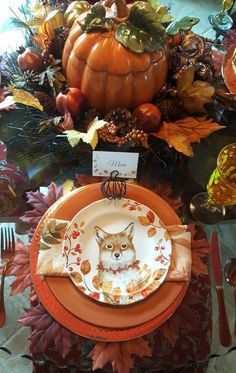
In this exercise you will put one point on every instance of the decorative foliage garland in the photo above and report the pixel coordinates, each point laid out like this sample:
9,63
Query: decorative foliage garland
118,89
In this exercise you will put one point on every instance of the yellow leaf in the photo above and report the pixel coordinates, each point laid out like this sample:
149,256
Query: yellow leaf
144,220
159,273
116,294
132,287
151,232
91,137
97,283
85,267
76,276
194,94
25,98
182,133
107,286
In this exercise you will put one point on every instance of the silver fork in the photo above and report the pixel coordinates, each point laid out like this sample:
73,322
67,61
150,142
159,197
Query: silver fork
7,245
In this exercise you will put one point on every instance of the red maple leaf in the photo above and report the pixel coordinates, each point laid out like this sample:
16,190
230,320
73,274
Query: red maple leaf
200,249
47,332
40,203
182,318
19,268
119,354
164,190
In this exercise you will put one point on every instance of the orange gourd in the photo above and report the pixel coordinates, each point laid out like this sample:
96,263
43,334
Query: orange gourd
109,74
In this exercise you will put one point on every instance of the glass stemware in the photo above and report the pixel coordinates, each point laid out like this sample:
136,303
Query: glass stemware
209,207
221,21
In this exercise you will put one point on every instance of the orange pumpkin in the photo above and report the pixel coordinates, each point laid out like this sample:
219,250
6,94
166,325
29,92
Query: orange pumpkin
108,74
229,70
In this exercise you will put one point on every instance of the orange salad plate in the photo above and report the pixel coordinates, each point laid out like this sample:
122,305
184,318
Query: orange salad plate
81,314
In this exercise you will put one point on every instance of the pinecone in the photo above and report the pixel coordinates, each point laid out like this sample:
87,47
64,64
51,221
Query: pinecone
47,102
171,109
58,41
123,119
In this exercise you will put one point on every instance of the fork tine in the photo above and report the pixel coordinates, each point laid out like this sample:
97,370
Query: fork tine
13,240
5,240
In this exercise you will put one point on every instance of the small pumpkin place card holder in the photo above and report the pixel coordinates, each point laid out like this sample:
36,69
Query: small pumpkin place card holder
114,187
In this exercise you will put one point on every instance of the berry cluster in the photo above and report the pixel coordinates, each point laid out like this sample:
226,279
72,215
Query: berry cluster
109,131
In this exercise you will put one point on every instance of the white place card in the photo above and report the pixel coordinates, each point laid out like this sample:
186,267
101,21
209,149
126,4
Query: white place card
106,162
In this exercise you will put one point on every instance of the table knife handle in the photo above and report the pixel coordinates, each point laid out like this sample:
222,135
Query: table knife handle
224,331
2,306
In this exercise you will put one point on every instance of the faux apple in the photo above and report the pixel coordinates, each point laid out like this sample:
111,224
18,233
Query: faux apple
148,117
29,60
71,99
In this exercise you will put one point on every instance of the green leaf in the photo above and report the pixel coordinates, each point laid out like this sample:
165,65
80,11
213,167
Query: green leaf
50,239
136,40
143,16
98,10
96,19
184,24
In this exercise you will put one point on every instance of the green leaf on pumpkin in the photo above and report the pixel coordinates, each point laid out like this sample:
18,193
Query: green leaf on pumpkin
184,24
136,40
143,16
96,19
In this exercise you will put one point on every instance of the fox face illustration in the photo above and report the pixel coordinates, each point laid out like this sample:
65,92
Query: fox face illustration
117,253
116,247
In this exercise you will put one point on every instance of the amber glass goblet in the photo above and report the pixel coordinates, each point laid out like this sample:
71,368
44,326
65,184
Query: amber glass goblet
209,207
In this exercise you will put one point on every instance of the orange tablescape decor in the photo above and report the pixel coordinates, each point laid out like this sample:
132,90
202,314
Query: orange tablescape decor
182,133
229,69
116,63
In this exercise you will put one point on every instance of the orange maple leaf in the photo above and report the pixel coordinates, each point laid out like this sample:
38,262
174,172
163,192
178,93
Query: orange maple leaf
183,132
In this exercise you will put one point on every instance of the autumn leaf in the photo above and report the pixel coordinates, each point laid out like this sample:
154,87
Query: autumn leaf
90,137
145,292
94,295
132,287
119,354
158,273
48,332
194,94
97,283
200,249
164,190
144,220
25,98
85,267
150,216
182,133
40,203
107,286
76,276
20,269
151,232
116,294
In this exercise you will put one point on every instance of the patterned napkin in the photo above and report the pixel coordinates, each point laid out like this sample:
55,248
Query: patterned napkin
51,260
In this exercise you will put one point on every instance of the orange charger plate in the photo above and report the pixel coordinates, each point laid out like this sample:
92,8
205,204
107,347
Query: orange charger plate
81,314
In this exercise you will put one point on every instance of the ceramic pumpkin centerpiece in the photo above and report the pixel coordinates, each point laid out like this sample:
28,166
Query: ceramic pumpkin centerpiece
117,58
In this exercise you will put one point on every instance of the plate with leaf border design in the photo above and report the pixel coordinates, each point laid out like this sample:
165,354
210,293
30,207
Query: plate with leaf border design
117,252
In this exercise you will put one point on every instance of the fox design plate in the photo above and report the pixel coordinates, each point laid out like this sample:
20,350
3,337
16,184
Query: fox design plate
117,252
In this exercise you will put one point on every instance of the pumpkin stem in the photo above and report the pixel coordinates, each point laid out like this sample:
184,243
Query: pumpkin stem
121,6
